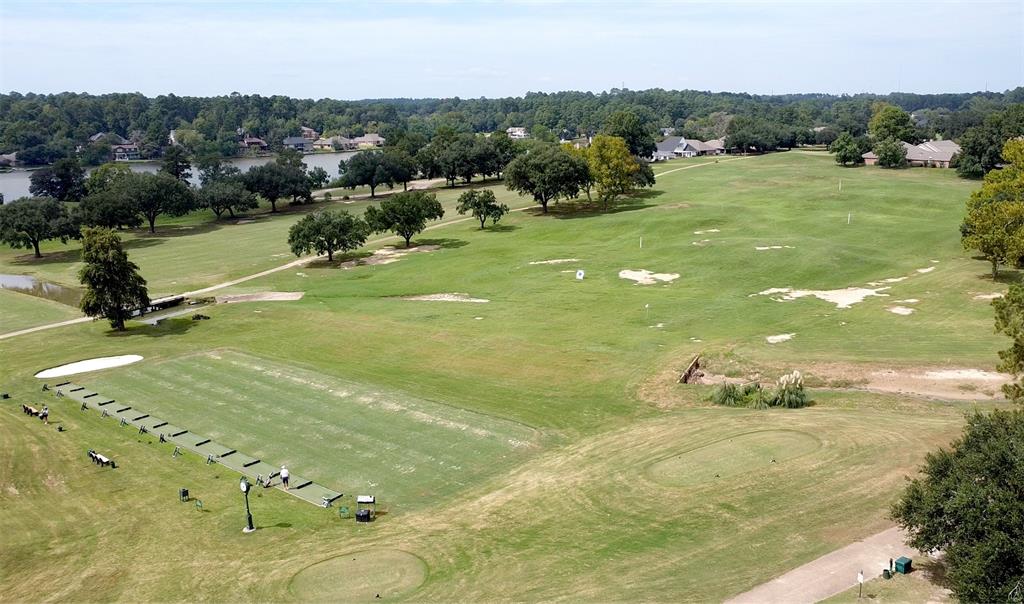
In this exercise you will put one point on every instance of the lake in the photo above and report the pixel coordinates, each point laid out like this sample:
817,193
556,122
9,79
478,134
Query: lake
15,184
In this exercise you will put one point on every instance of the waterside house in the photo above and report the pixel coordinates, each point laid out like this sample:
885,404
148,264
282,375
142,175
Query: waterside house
517,132
253,145
334,143
309,134
125,152
298,143
929,154
369,140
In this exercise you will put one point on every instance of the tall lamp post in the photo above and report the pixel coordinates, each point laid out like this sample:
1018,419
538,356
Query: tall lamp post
244,485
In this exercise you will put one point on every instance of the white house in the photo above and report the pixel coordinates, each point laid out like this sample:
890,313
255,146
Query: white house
517,132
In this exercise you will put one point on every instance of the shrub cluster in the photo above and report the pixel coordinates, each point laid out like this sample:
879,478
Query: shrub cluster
788,393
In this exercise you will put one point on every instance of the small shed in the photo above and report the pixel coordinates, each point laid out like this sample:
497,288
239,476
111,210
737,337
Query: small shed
903,565
366,508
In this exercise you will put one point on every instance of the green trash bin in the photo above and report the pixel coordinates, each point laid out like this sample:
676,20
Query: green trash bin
903,565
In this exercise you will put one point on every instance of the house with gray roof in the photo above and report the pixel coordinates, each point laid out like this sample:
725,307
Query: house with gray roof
298,143
929,154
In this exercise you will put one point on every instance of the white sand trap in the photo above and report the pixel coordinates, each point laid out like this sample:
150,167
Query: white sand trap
706,231
389,255
452,297
908,301
884,281
556,261
900,310
988,296
701,242
782,337
646,277
762,248
260,297
926,270
89,365
842,298
964,374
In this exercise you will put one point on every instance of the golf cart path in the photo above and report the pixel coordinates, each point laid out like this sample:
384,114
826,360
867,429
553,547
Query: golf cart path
303,261
832,573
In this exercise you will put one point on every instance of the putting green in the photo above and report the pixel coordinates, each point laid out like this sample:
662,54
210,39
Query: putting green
360,576
732,456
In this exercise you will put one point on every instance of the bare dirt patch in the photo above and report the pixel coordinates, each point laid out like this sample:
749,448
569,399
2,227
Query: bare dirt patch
451,297
260,297
951,383
646,277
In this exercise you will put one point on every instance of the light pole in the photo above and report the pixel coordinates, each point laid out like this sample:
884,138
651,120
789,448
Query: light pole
244,485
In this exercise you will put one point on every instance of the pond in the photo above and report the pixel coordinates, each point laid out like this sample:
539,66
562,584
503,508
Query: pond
26,284
14,184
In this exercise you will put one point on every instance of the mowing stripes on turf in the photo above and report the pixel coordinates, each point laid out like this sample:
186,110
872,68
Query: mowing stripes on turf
252,468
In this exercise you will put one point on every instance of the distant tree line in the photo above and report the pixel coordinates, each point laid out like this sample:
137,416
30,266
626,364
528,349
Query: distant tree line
45,128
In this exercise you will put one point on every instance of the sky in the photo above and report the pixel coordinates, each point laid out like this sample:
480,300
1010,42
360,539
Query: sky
389,49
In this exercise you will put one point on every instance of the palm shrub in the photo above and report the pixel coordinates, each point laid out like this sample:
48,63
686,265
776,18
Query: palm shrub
790,392
727,395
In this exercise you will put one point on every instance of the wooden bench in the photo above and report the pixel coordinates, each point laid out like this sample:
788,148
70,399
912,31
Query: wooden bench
101,460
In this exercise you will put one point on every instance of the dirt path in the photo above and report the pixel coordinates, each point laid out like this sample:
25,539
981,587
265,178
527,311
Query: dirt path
307,259
721,161
832,573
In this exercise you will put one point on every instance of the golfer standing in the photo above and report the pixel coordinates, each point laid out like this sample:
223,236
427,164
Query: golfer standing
284,477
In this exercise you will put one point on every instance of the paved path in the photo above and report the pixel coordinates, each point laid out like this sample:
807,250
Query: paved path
832,573
306,260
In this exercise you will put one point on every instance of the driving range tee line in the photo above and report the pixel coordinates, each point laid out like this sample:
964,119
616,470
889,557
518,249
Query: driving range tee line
246,465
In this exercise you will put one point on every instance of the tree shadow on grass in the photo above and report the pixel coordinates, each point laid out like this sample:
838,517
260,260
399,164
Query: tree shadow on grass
573,211
184,230
167,327
447,243
501,228
61,257
346,260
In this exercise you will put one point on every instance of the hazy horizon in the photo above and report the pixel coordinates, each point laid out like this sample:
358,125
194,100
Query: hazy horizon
360,50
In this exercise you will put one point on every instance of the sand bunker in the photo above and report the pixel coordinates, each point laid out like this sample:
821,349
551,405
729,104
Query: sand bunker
388,255
884,281
556,261
965,374
706,231
89,365
988,296
782,337
842,298
452,297
701,242
260,297
926,270
646,277
908,301
762,248
900,310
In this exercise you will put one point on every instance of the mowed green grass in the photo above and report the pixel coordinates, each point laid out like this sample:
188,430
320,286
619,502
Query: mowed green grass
589,515
195,251
348,436
18,311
